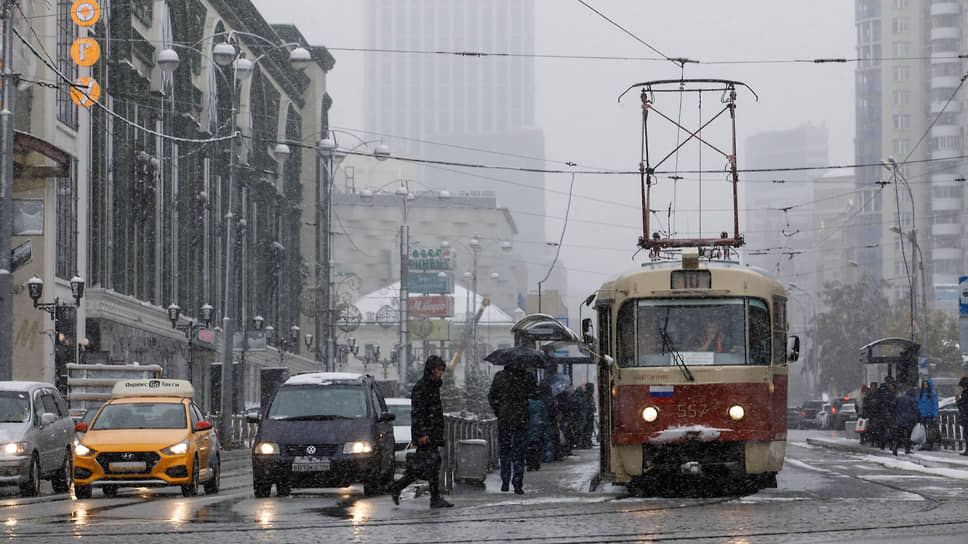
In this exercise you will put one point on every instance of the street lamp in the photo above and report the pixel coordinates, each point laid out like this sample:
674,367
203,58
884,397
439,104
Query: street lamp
328,148
290,342
190,329
224,54
911,271
35,288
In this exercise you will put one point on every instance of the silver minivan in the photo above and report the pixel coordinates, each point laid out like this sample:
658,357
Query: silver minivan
36,437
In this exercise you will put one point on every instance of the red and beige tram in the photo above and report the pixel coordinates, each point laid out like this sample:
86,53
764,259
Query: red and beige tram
695,382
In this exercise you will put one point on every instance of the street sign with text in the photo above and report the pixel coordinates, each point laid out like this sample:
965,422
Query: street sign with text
431,306
431,282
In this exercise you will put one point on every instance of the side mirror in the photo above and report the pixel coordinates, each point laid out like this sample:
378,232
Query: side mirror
47,418
388,416
606,361
794,349
81,427
253,417
202,426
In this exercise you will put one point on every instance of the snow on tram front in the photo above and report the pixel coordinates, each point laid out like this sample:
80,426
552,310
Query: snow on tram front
695,384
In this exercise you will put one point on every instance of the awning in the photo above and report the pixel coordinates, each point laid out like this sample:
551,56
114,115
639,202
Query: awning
36,158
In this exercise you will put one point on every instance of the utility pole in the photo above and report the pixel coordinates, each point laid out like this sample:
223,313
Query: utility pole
9,81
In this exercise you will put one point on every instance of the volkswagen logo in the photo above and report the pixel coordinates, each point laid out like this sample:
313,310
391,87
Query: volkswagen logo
310,450
127,456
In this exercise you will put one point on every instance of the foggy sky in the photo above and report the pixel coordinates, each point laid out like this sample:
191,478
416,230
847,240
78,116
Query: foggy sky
576,103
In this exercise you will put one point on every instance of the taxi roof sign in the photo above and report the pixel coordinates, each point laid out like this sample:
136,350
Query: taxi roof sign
152,388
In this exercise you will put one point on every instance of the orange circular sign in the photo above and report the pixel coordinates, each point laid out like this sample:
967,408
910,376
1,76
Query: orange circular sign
85,12
85,91
85,52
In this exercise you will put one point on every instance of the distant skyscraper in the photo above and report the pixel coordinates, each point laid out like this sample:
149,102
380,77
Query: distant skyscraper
445,107
905,81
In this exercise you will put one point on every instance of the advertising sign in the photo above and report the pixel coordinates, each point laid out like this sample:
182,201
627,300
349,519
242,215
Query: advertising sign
963,295
431,306
431,259
430,282
429,329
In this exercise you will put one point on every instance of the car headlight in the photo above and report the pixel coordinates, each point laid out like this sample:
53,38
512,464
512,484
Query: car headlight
650,413
357,447
14,448
82,450
180,448
267,448
736,412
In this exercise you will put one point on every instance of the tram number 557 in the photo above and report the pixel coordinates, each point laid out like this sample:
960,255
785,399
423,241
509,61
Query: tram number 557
692,410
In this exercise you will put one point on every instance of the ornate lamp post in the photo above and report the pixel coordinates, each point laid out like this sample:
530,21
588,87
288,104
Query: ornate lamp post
35,288
190,329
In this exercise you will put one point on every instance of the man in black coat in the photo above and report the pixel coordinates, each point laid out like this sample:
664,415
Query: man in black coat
508,397
427,428
962,401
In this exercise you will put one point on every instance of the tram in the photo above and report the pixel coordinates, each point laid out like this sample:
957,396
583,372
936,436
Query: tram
693,347
695,382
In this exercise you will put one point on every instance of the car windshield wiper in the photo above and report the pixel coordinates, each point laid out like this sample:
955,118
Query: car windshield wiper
310,417
667,345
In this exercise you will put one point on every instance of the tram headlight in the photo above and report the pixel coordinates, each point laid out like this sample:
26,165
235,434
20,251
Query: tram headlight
736,412
650,413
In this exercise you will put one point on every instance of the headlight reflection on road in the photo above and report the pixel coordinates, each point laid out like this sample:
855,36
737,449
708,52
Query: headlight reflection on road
10,522
361,511
79,517
267,513
179,513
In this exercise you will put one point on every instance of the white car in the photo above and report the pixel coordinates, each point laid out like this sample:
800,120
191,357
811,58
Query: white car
401,428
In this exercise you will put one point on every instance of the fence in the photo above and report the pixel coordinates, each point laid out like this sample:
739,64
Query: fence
952,434
464,426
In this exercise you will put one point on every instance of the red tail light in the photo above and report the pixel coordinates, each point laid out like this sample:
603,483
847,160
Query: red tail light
833,410
803,413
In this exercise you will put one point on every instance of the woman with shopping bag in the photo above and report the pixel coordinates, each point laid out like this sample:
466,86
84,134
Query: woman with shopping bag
905,418
928,407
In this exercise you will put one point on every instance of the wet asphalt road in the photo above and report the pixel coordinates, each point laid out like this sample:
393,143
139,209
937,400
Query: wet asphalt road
824,495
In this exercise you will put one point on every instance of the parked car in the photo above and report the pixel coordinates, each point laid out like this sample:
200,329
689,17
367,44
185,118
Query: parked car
808,413
36,435
401,408
324,429
847,412
793,417
149,434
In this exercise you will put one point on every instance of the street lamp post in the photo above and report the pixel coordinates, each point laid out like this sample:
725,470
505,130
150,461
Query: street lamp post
190,329
328,148
290,342
35,288
225,54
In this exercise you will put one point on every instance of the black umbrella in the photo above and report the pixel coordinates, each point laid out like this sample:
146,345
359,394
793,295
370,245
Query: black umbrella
522,356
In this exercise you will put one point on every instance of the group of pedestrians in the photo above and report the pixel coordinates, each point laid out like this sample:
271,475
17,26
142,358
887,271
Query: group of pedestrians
892,414
536,426
531,422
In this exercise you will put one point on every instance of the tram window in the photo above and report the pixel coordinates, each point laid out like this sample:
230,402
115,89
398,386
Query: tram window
759,332
779,329
701,331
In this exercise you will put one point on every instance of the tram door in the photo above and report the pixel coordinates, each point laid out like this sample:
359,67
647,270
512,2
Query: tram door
604,387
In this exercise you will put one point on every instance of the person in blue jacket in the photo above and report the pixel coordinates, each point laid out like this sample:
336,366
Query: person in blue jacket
928,408
905,416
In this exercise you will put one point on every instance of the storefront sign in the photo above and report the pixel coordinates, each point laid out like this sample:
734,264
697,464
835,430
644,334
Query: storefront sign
432,259
430,282
431,306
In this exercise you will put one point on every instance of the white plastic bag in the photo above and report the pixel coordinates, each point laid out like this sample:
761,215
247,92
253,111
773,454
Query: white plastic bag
918,436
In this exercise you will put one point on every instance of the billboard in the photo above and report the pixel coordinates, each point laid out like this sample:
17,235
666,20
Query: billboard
430,282
431,306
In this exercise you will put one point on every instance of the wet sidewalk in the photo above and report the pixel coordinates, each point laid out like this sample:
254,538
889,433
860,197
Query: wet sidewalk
943,458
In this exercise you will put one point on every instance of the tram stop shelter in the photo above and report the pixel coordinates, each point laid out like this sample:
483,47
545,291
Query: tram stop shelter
896,357
561,344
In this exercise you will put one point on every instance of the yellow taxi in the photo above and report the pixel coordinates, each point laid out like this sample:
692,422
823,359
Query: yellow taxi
149,434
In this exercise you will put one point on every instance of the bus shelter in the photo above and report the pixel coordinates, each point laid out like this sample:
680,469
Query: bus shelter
555,339
895,357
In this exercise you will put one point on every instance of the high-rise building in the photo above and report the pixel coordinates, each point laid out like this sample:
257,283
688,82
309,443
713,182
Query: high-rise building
439,107
909,121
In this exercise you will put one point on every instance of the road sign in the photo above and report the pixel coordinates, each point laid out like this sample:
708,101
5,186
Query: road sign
963,295
430,282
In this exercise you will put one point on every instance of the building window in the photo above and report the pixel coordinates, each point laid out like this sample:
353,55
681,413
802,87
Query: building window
902,49
902,73
900,25
901,97
902,4
66,35
902,121
66,258
901,145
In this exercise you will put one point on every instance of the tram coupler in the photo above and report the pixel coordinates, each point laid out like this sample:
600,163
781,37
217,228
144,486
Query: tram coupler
691,468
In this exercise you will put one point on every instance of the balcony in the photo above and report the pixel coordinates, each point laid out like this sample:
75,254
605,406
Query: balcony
945,229
945,204
945,33
945,82
945,154
945,8
954,106
940,131
946,253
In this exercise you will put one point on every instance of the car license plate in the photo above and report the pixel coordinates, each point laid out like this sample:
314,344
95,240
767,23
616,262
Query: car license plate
310,464
127,466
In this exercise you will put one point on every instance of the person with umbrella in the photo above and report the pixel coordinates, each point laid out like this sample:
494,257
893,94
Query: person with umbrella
510,391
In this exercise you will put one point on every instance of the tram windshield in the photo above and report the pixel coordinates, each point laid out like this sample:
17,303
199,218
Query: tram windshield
720,331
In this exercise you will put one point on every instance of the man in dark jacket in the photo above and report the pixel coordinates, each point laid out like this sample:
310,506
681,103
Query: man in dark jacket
427,429
508,397
905,416
962,400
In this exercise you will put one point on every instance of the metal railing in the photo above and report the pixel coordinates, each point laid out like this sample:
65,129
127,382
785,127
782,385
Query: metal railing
952,434
243,432
464,426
